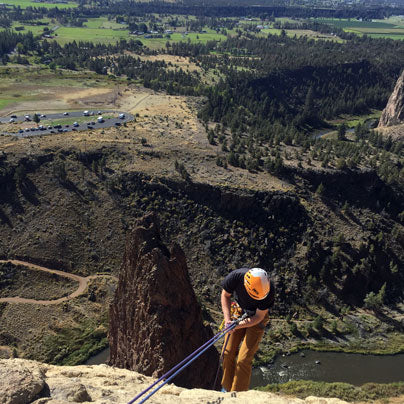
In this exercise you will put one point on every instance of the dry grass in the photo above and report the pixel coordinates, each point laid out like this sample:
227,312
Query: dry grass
171,129
37,285
177,61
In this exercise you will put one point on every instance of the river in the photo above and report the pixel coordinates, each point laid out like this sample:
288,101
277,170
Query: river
355,369
99,358
371,123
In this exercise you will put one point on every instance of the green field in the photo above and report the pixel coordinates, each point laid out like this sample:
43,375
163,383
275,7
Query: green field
391,28
103,23
100,30
35,29
29,3
96,35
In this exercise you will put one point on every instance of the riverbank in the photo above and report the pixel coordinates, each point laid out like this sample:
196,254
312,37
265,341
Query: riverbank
331,367
357,331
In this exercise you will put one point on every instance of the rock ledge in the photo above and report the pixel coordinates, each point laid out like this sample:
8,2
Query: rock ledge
23,381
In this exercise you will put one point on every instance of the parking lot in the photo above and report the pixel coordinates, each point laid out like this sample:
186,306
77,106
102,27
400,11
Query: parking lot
31,125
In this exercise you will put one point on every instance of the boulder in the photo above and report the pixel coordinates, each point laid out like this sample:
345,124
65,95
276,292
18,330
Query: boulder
21,383
70,391
155,318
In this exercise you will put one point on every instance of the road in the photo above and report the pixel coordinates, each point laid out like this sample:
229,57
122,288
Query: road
82,281
33,130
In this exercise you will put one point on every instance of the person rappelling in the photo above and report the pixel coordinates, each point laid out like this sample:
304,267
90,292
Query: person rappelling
244,322
254,293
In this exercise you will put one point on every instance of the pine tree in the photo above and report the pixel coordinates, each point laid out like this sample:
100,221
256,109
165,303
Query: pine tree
320,189
342,132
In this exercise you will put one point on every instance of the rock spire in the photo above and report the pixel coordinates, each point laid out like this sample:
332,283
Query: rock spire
155,319
393,114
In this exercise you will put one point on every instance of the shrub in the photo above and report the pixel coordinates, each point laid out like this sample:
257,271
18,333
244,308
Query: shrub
343,391
318,323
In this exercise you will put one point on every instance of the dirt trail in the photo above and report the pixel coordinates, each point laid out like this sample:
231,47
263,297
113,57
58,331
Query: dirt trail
82,281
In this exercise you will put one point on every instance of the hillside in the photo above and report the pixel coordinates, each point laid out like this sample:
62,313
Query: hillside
331,236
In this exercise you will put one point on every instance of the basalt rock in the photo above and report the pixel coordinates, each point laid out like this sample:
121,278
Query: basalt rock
393,114
155,319
103,384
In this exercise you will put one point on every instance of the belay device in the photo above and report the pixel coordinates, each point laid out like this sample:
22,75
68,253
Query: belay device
184,363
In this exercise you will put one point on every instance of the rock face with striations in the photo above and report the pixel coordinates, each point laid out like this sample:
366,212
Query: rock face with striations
155,319
393,114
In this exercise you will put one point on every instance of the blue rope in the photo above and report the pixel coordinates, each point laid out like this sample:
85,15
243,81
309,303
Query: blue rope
218,336
177,366
184,363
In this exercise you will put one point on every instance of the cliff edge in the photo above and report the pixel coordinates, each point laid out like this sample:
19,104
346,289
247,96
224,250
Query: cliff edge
23,381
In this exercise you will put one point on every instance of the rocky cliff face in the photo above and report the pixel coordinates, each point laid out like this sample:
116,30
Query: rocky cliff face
155,319
393,114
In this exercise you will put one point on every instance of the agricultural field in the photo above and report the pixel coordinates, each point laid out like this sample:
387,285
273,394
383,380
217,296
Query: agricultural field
101,30
112,35
34,28
29,3
97,35
299,33
391,28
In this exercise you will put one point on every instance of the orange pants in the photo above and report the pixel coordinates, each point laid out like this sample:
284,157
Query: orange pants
237,368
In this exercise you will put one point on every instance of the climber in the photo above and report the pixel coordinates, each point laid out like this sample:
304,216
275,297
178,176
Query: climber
254,293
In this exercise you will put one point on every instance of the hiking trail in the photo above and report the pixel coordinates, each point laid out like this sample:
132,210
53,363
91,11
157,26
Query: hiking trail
82,281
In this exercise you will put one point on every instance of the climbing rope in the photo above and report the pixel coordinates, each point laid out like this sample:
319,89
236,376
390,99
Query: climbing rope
226,340
184,363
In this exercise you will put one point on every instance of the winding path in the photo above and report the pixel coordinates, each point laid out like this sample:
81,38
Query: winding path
83,283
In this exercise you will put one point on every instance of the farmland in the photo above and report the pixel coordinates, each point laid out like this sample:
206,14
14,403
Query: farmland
29,3
392,28
96,35
101,30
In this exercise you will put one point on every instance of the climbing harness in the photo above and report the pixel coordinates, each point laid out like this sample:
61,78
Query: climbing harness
185,362
235,312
